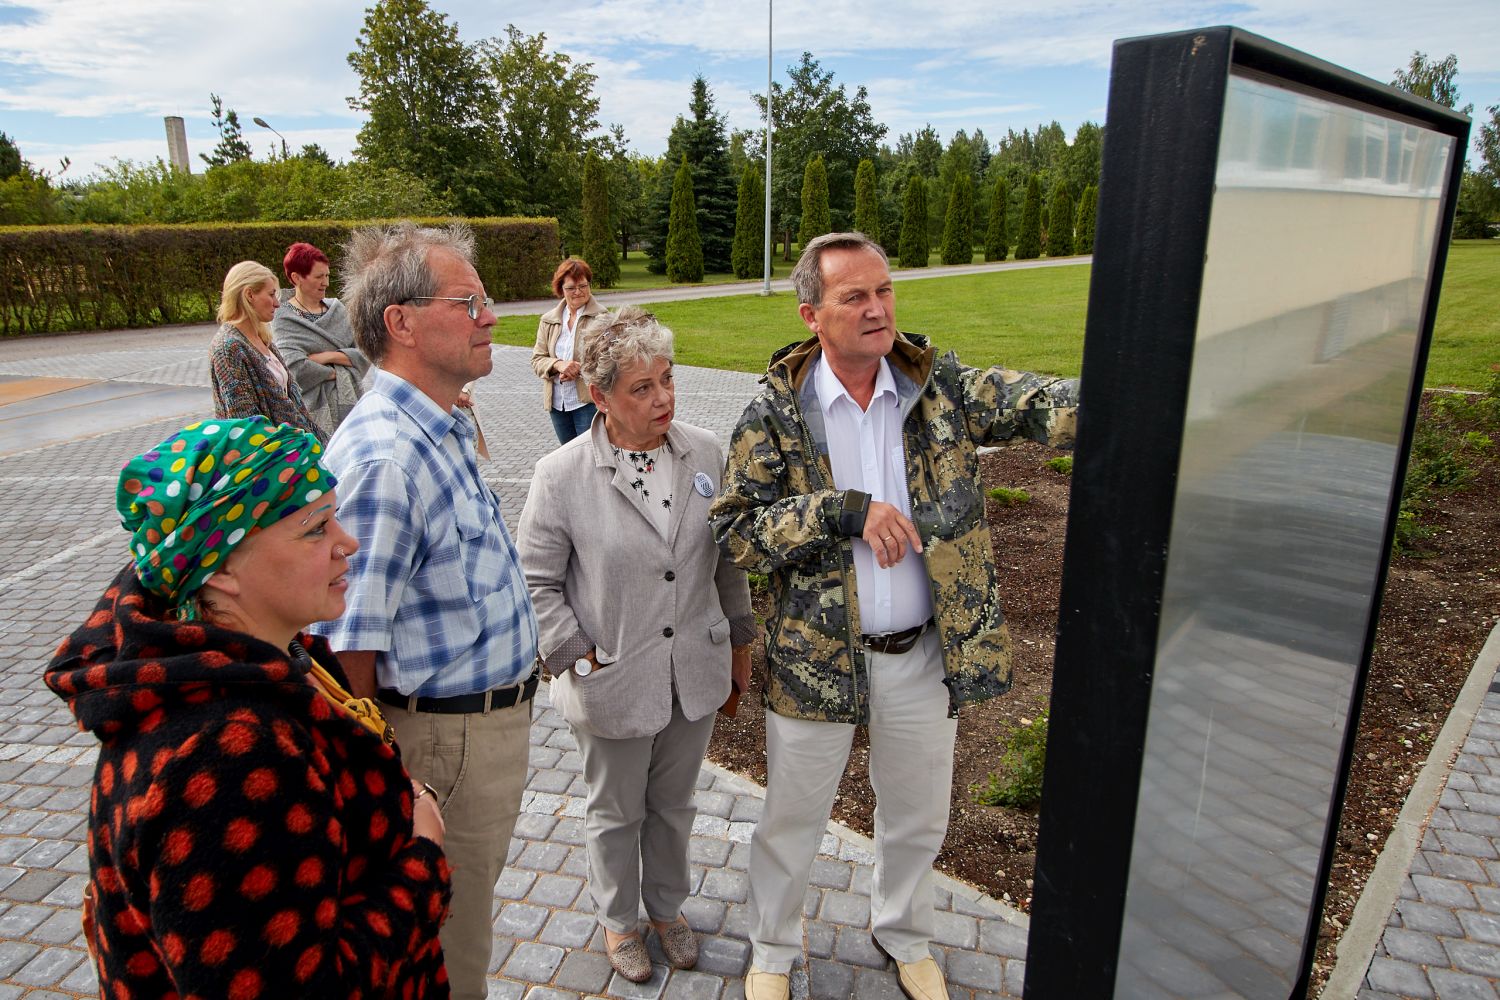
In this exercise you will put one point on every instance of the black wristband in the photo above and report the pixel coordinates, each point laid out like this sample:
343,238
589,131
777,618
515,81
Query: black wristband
852,513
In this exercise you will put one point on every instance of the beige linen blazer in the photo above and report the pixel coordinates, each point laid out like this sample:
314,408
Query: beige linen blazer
656,610
593,316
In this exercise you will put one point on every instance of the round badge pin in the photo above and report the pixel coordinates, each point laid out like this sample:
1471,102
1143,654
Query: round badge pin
703,484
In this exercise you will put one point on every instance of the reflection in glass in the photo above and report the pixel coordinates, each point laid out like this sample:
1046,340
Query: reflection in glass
1320,246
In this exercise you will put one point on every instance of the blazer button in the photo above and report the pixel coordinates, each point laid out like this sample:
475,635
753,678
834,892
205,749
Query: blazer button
667,632
670,576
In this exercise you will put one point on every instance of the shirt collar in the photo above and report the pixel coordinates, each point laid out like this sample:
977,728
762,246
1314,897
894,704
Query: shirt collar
416,404
830,389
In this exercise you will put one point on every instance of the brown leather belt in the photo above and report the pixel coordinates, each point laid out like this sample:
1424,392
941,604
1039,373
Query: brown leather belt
895,642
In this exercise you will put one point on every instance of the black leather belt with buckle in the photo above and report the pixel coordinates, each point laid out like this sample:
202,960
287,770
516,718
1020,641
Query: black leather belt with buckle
464,704
895,642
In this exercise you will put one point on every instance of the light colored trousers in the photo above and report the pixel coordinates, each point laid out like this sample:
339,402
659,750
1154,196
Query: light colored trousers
638,819
911,770
477,764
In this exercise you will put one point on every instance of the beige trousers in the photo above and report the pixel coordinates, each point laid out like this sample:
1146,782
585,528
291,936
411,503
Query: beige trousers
477,765
911,770
639,817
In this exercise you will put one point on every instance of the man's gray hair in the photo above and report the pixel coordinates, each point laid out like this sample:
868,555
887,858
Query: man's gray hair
388,265
807,276
632,335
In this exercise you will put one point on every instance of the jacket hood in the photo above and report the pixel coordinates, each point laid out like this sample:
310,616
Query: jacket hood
911,354
130,663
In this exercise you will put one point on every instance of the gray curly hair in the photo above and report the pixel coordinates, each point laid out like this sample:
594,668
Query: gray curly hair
631,335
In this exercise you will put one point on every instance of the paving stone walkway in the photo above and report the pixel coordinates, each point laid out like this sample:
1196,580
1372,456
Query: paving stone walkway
57,557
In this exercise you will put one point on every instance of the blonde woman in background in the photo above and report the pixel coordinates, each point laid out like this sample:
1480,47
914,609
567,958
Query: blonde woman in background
249,375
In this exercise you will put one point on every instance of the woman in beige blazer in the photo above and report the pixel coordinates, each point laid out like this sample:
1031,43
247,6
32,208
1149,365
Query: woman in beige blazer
644,626
559,345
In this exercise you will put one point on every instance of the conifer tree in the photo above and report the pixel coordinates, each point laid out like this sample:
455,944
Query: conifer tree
1029,243
684,248
996,242
815,215
1060,221
598,238
914,246
958,224
1088,209
701,136
748,256
866,201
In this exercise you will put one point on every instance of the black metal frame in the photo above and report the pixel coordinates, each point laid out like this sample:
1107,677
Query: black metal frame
1166,101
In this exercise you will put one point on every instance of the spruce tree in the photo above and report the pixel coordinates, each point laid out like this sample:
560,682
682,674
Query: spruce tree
866,201
1060,221
914,223
815,216
748,257
958,225
684,248
1088,208
996,242
1029,243
701,136
598,238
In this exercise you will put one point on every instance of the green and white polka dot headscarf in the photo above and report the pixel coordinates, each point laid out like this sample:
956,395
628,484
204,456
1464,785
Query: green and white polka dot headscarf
190,500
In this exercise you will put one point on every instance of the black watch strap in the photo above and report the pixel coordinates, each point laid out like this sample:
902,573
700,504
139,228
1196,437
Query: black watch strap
852,513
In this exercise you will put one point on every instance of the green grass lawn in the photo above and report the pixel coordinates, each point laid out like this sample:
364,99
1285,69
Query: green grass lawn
1466,340
1034,320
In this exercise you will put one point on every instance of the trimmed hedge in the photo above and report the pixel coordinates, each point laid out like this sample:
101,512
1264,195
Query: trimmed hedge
66,278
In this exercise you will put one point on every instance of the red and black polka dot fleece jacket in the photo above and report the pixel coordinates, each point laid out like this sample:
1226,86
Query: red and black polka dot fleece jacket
246,839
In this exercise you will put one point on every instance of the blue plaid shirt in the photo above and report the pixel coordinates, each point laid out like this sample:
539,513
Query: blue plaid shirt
436,587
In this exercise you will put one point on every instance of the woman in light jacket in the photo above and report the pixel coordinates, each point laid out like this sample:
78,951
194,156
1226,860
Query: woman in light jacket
644,627
559,338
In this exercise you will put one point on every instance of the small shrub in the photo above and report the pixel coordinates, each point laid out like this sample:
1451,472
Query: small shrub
1009,496
1478,441
759,582
1062,464
1018,783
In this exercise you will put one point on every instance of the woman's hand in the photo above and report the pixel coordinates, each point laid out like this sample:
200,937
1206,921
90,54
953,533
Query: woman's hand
566,371
739,668
426,816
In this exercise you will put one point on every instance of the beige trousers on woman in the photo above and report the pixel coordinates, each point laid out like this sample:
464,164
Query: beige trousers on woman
638,818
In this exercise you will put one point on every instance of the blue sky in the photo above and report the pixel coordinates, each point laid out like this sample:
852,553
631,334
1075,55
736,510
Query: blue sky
91,79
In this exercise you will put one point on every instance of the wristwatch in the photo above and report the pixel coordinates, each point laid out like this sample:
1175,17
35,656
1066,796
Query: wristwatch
852,513
583,666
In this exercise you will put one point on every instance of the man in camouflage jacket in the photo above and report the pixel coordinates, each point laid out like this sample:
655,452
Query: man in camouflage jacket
782,514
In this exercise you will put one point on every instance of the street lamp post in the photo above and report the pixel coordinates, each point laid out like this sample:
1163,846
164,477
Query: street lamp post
766,274
262,123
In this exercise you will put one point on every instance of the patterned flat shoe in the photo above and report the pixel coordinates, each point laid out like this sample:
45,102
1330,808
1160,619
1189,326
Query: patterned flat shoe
679,944
629,959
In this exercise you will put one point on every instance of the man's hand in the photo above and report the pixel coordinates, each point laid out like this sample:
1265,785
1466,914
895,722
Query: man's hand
889,534
567,371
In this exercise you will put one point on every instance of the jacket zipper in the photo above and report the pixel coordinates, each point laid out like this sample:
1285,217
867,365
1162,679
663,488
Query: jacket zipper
811,445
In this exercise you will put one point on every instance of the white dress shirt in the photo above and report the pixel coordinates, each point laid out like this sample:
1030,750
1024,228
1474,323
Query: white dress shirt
866,450
565,394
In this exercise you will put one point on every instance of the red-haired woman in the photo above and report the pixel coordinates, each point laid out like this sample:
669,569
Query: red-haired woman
313,333
559,343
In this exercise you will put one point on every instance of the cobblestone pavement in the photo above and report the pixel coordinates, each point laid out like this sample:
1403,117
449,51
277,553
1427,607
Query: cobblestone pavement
1443,937
55,560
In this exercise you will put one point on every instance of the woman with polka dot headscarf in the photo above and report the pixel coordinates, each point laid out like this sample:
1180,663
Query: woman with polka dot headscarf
252,831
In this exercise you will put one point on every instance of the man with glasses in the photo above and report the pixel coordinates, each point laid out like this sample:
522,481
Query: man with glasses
439,625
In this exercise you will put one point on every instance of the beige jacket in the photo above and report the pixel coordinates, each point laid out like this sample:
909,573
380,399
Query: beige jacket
657,611
543,354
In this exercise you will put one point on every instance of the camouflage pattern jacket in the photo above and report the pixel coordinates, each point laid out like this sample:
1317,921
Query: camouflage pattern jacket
779,514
